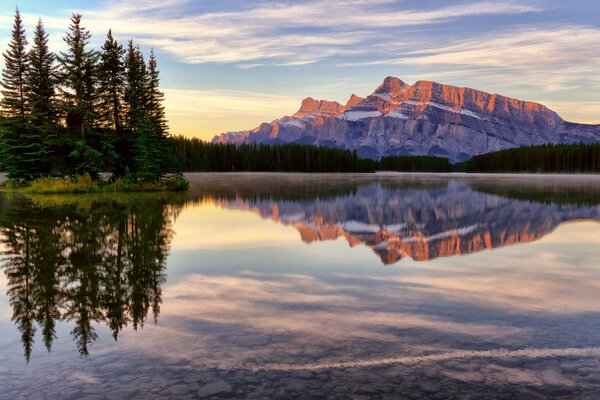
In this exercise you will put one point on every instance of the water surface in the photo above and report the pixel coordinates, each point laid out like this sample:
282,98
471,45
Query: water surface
305,286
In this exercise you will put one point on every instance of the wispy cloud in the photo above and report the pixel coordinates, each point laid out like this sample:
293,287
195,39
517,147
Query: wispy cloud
279,33
522,48
512,47
533,62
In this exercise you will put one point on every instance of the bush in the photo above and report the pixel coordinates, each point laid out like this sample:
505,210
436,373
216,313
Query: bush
85,184
78,184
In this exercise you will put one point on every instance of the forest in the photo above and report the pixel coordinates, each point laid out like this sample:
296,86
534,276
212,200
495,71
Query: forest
414,164
193,155
83,111
551,158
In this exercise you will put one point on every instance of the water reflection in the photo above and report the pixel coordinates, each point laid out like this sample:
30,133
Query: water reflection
420,220
93,260
84,261
250,311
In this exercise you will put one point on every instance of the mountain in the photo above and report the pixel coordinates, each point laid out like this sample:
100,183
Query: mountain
426,118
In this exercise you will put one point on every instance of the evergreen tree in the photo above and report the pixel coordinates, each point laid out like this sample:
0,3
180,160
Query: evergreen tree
41,79
78,76
155,96
92,112
13,75
112,79
21,145
151,143
135,85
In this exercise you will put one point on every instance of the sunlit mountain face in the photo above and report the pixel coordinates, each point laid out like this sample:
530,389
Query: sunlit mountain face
422,222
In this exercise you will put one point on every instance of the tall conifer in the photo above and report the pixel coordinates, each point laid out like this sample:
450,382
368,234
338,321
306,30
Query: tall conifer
112,79
135,86
151,146
155,96
13,74
41,79
78,76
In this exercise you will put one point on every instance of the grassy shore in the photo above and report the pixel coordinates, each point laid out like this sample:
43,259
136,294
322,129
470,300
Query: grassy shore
85,184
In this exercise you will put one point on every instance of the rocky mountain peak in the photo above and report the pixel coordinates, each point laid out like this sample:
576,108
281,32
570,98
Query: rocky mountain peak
427,118
391,84
318,108
353,100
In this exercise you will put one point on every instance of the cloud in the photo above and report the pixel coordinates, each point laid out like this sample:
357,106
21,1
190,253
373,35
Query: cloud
521,48
540,63
282,33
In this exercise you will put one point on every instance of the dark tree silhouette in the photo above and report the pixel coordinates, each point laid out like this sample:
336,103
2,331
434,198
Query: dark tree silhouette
14,72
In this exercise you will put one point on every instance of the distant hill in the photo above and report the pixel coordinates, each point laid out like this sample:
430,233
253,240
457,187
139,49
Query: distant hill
426,118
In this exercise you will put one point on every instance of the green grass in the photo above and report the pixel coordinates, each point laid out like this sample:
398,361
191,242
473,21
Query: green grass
85,184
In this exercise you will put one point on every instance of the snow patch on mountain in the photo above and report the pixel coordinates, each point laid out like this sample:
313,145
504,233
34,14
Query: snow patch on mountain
358,115
396,114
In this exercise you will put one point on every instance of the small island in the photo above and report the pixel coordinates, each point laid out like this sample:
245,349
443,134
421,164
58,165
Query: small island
83,120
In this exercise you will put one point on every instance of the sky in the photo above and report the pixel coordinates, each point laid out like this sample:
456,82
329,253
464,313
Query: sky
230,65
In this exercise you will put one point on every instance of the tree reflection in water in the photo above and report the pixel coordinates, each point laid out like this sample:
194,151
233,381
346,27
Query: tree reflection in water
85,262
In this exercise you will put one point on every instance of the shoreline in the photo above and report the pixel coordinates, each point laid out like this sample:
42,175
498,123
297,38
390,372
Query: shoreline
86,185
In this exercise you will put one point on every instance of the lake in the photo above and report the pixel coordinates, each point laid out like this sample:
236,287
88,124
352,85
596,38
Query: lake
305,286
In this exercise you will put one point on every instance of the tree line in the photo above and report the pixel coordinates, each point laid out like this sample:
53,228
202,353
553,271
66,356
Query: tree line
82,111
552,158
414,164
193,155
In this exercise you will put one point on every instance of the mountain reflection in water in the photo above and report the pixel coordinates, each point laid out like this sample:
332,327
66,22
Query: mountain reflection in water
91,260
416,221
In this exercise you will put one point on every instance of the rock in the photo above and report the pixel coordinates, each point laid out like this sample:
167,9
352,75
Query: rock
294,385
368,390
592,378
217,388
179,390
430,387
465,376
526,394
305,374
193,378
252,341
555,378
123,394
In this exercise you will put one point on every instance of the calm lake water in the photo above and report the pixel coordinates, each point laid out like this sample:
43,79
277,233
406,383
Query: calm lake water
305,286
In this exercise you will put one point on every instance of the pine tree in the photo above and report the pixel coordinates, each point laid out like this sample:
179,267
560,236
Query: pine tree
22,142
135,85
79,79
151,146
15,69
78,76
112,79
155,96
41,79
